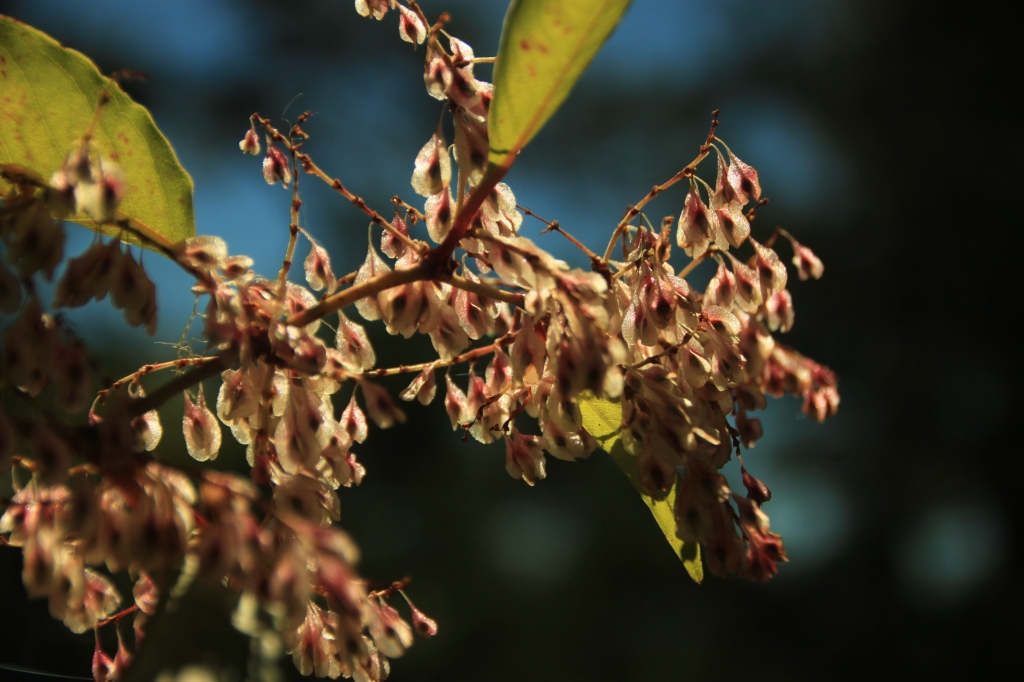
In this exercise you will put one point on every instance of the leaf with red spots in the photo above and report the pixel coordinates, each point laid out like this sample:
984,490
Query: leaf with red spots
48,97
545,46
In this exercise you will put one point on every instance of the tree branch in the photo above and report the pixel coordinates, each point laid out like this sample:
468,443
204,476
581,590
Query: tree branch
175,386
485,290
368,288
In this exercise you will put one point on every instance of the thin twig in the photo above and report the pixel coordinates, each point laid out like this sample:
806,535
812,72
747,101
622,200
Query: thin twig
369,287
312,169
176,386
437,364
148,369
293,229
554,226
671,349
485,290
686,172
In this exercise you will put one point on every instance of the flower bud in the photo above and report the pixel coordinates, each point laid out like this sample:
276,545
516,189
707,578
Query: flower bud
438,209
780,311
524,456
100,198
435,73
722,288
743,178
725,193
204,252
376,7
38,241
448,338
456,403
275,167
352,342
237,397
353,421
748,287
528,353
391,245
401,308
732,224
422,388
102,665
250,144
379,406
807,264
566,446
750,430
202,432
89,275
122,659
236,267
756,490
433,169
822,403
410,26
425,627
698,226
373,266
771,271
471,141
60,197
318,269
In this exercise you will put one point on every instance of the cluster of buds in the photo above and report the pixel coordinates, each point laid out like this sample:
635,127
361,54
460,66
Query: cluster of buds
688,367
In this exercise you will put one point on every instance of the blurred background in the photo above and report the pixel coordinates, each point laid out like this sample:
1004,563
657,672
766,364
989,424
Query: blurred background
865,119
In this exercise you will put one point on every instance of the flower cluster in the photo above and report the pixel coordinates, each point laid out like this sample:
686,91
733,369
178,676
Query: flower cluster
687,367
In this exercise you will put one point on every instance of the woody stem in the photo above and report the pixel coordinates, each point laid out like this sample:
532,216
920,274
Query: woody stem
293,230
437,364
147,369
176,386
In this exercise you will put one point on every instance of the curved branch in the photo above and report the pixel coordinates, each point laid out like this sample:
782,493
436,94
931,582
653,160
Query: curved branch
485,290
358,291
175,386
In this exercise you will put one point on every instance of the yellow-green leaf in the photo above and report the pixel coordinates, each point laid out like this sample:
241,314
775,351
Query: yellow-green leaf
545,46
48,95
603,420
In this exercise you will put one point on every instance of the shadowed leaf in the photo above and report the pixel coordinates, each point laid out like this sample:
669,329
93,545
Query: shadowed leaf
603,420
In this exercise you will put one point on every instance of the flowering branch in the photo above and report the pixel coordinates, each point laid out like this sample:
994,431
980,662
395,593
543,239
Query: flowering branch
640,354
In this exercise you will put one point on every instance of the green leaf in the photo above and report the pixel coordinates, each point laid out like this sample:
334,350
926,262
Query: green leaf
603,420
545,46
49,93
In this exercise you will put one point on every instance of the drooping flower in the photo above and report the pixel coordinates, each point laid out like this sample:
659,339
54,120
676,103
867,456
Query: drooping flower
202,432
276,167
433,169
410,26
